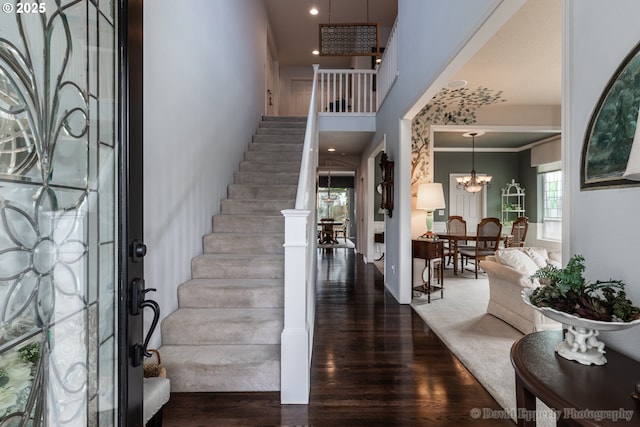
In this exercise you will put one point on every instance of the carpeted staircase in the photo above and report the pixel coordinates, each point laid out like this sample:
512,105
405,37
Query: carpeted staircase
225,334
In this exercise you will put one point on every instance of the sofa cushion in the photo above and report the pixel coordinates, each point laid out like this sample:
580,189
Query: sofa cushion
517,260
538,255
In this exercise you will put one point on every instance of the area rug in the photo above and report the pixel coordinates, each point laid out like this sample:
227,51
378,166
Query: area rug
479,340
341,244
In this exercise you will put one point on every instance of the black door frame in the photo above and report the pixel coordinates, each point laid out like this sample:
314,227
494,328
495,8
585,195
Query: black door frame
130,327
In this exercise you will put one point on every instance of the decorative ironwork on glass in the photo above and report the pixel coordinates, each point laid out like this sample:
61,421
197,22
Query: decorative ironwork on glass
48,315
38,102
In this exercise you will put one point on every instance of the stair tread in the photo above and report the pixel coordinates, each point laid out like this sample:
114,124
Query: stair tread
227,315
240,352
235,282
231,256
262,201
243,234
279,163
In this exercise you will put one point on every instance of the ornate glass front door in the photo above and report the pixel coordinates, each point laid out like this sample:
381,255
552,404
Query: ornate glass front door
59,149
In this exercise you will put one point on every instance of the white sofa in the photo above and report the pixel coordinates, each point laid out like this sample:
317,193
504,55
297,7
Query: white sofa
509,273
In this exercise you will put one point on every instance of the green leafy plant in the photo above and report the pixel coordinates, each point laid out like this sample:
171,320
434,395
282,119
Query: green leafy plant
30,353
566,290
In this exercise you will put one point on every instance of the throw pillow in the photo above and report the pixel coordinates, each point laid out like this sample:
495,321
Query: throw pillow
538,255
518,260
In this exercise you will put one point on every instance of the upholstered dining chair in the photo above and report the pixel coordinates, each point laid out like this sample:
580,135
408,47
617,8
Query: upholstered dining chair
487,241
518,232
457,226
341,229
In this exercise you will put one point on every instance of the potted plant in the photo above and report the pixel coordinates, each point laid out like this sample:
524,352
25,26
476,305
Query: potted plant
584,308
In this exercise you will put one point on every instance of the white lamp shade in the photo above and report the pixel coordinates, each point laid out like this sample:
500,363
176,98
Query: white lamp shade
430,197
633,164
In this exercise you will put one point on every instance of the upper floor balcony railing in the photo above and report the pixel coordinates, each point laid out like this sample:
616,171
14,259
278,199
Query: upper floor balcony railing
347,91
358,91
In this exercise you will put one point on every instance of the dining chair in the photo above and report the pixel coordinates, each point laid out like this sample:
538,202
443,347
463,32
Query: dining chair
457,226
341,229
487,241
518,232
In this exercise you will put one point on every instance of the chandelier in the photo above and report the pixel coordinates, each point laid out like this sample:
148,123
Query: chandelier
473,183
327,198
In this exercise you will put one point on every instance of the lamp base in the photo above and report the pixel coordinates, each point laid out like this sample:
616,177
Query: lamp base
429,221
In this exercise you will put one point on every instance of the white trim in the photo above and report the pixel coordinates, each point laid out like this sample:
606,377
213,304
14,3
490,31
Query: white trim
567,72
371,208
403,185
493,129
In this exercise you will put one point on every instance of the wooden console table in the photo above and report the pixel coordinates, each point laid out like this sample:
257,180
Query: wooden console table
582,395
429,251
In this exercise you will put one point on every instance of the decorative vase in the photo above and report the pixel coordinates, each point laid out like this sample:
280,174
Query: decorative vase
580,341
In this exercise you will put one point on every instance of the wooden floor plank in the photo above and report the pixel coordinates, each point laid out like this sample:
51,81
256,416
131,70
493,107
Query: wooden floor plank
375,363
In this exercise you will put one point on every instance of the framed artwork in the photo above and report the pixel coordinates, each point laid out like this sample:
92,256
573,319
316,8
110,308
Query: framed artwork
611,129
386,166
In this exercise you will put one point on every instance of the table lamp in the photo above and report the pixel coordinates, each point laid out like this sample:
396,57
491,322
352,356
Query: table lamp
430,198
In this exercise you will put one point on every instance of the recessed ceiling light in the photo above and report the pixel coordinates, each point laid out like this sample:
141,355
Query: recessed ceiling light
331,149
315,52
313,11
457,84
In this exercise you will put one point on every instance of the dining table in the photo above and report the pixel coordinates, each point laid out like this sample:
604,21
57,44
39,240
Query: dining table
327,236
454,240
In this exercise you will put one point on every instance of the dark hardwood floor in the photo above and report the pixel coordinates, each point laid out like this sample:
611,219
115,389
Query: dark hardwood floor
375,363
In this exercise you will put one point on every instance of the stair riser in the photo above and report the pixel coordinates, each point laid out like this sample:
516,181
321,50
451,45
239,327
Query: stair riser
248,166
191,371
288,143
243,244
262,192
283,125
297,119
297,131
203,267
220,296
266,178
248,224
273,157
228,332
254,207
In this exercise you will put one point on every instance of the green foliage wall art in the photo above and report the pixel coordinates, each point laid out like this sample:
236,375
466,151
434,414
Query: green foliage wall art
448,107
612,127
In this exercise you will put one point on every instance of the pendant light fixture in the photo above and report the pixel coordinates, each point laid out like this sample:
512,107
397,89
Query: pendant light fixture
473,183
329,199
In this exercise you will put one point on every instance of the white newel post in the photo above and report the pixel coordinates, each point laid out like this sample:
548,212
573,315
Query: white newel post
294,345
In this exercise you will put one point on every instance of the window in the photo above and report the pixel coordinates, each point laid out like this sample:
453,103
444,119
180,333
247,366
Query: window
552,205
333,203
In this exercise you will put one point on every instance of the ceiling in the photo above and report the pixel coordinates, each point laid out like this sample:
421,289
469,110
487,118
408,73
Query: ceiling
296,31
523,60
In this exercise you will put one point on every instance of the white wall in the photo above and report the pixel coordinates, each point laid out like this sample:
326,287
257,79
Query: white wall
287,75
204,86
598,37
431,34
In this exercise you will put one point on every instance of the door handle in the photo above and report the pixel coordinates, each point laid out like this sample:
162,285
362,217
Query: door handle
156,316
137,304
